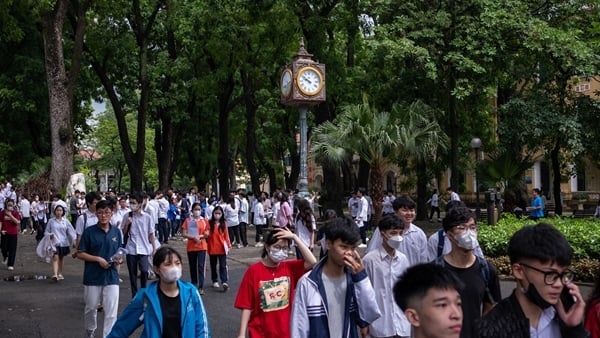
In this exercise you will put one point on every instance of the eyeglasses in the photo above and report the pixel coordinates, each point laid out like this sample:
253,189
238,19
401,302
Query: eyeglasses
550,277
277,247
472,227
104,213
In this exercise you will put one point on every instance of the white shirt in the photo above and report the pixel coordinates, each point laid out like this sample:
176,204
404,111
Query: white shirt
84,221
435,200
231,215
384,271
25,207
363,212
387,204
140,231
547,326
163,207
152,209
63,231
303,231
117,218
259,214
413,246
243,214
454,196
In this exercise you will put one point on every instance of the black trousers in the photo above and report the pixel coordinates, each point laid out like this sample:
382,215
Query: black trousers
9,248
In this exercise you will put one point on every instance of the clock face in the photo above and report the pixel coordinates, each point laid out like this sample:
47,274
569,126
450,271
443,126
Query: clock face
309,81
286,82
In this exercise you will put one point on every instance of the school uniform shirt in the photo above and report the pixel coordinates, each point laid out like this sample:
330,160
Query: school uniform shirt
86,220
140,229
305,230
414,245
384,271
63,231
269,292
259,214
231,215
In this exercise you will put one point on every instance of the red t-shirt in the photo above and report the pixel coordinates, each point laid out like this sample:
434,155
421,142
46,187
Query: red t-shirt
8,224
592,319
269,293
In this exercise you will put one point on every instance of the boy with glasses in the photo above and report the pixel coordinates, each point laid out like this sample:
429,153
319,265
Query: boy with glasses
545,303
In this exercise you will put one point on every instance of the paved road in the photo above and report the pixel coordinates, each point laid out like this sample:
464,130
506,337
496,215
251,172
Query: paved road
48,309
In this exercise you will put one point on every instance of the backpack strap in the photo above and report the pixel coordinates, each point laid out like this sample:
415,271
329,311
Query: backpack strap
441,242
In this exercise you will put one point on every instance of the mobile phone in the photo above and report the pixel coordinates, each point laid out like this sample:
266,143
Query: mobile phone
567,299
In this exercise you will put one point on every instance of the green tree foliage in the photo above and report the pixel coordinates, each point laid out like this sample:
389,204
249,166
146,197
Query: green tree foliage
378,138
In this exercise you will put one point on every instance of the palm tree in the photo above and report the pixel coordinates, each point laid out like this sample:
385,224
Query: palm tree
379,138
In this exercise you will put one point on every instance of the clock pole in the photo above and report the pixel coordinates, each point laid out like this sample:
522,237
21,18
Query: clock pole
303,85
303,179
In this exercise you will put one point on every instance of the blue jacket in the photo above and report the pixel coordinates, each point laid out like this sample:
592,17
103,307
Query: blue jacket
145,309
310,310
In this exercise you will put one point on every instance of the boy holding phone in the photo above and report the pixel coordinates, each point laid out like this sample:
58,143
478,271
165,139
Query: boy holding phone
540,257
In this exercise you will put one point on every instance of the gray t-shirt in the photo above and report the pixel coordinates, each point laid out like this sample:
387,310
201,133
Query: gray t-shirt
335,289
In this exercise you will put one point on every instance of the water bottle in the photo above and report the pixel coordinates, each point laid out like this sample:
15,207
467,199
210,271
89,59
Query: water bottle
119,256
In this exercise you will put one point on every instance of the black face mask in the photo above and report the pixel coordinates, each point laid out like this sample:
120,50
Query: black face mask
534,296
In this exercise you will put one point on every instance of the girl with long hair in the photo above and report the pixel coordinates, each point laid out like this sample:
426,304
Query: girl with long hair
218,247
305,225
196,230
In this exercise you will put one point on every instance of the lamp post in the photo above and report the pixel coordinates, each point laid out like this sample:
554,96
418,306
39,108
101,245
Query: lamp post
476,145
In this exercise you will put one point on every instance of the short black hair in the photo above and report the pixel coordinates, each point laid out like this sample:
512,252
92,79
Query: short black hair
457,216
417,280
103,204
542,242
342,228
391,221
454,204
91,196
403,202
137,196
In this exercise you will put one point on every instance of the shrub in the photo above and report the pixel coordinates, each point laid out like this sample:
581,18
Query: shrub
583,235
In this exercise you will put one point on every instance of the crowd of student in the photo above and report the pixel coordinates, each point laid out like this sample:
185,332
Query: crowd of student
404,285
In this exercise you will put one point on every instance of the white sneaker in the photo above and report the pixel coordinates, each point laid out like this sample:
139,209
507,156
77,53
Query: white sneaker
216,285
4,261
10,268
259,245
361,245
225,286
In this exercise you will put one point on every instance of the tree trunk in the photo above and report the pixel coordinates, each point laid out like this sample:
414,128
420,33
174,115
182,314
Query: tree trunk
251,145
223,157
61,87
556,178
376,190
421,190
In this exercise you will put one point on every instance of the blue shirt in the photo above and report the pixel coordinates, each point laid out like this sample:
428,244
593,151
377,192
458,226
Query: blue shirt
537,202
97,242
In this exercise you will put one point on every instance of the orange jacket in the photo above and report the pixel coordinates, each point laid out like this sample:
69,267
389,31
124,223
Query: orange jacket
218,240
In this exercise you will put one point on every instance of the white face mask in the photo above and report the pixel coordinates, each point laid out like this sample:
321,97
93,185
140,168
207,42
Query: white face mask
170,275
278,255
467,240
217,216
395,241
134,207
197,213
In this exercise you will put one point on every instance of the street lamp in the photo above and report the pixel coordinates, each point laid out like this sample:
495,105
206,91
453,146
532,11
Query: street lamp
476,145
